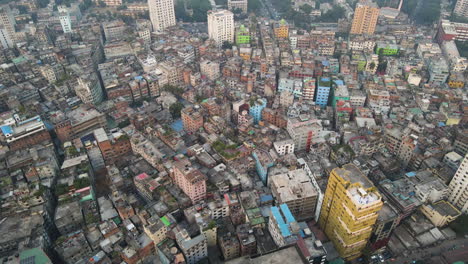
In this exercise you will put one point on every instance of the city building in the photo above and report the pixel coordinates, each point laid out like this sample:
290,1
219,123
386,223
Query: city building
23,133
157,228
110,2
238,4
440,213
65,20
189,179
256,108
210,69
263,162
283,227
194,249
304,132
114,30
242,35
438,70
281,29
350,210
459,187
461,8
230,246
162,14
308,88
365,18
387,221
192,118
7,27
295,189
89,89
284,147
79,122
221,26
323,91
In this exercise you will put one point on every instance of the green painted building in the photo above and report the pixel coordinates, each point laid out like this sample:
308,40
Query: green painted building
242,35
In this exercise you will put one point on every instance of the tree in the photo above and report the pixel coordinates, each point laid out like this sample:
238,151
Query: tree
101,3
86,4
42,3
372,65
175,109
333,15
306,8
237,11
254,6
226,45
22,9
175,90
34,17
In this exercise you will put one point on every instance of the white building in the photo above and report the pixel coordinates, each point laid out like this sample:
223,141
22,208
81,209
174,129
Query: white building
221,26
459,187
7,27
65,20
461,8
284,147
238,4
453,160
162,14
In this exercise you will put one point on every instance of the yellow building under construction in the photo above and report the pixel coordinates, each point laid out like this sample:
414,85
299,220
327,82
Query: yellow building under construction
349,210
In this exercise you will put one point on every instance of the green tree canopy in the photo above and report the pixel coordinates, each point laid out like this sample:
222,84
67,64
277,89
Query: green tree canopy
175,109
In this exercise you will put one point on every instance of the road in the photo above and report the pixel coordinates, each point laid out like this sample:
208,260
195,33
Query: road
421,254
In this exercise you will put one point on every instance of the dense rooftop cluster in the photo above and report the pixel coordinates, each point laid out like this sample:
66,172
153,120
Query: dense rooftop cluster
127,136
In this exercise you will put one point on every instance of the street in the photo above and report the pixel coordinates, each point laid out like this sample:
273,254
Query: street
421,254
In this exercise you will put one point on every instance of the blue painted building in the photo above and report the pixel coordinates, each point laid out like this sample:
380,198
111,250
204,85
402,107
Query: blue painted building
263,162
256,108
323,91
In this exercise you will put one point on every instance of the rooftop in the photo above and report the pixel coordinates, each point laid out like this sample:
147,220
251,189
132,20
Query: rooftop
293,185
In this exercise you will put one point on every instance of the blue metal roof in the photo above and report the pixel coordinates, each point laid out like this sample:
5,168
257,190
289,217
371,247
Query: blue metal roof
178,125
287,213
284,228
36,118
6,130
339,82
266,198
411,174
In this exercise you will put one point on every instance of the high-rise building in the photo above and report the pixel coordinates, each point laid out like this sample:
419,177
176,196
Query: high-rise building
349,210
89,89
189,179
365,18
162,14
194,249
7,27
221,26
461,8
323,91
238,4
459,187
295,189
192,118
65,20
304,131
242,35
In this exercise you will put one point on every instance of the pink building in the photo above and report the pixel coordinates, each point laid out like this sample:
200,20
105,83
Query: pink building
190,180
